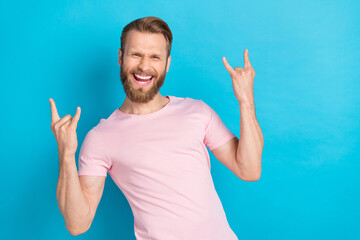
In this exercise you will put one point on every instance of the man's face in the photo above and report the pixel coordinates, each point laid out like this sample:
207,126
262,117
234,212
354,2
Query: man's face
143,65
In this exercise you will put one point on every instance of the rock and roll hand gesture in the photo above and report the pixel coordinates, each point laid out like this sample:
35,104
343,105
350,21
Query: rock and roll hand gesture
243,80
64,130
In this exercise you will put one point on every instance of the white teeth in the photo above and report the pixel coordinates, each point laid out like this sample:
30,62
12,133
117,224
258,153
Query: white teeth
143,77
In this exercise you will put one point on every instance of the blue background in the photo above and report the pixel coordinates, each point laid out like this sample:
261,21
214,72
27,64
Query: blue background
306,58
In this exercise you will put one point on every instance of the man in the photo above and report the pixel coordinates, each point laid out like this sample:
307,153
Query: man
154,147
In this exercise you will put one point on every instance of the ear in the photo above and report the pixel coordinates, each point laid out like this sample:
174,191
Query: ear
168,63
119,62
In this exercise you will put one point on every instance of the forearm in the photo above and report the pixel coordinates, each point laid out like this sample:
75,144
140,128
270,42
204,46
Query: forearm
71,200
251,143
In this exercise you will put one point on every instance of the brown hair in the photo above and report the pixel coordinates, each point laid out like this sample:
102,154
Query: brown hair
151,25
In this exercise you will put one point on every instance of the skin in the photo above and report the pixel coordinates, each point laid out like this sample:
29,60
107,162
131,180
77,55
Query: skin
78,196
243,157
144,53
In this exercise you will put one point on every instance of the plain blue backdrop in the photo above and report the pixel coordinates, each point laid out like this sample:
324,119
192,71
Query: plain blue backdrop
306,88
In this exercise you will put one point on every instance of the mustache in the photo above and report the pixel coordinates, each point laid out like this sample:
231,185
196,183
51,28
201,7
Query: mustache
145,73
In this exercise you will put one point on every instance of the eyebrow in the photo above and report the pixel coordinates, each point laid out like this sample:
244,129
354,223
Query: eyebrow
152,54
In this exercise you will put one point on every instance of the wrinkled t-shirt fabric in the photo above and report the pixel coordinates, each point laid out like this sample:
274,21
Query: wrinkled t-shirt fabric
161,164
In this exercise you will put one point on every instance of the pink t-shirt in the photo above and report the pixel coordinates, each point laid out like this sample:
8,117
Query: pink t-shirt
161,164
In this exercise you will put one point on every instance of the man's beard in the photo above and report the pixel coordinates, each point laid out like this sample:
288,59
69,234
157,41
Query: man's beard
140,95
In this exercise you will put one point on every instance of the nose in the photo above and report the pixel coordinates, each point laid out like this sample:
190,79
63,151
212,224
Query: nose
144,64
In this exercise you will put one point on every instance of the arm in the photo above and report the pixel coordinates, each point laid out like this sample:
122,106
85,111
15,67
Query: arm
243,157
77,196
250,146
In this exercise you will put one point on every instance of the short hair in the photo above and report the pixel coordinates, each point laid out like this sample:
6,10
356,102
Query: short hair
148,24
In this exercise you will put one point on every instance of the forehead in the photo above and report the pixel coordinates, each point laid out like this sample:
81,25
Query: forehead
145,42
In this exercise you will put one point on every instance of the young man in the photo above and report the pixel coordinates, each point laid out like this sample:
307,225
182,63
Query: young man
154,147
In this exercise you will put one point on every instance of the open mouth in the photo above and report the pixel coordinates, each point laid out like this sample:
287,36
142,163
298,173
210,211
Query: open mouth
142,80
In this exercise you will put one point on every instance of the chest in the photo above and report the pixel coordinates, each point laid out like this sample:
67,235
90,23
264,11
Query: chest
172,144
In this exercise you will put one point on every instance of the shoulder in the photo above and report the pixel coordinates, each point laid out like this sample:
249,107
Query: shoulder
199,107
202,106
193,102
108,123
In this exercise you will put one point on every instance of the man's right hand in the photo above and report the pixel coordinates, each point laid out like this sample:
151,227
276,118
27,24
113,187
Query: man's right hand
64,130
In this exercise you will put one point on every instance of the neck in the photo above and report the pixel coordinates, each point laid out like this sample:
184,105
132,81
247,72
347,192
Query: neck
157,103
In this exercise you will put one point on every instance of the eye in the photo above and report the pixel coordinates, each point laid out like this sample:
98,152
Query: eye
156,57
136,54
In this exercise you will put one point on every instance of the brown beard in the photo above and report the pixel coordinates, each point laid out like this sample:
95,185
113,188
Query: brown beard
140,95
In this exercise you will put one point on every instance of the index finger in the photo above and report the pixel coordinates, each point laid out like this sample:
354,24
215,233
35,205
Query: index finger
227,66
54,114
76,118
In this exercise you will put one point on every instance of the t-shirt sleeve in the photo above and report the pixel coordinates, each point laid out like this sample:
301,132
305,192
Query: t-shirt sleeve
216,133
92,157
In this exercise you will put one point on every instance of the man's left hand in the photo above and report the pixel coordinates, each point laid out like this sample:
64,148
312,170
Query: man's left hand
243,80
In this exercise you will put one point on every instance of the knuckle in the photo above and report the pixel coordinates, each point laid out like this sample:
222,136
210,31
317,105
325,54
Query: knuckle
62,128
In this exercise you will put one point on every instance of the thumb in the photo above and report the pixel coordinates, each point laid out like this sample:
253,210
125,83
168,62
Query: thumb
76,118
